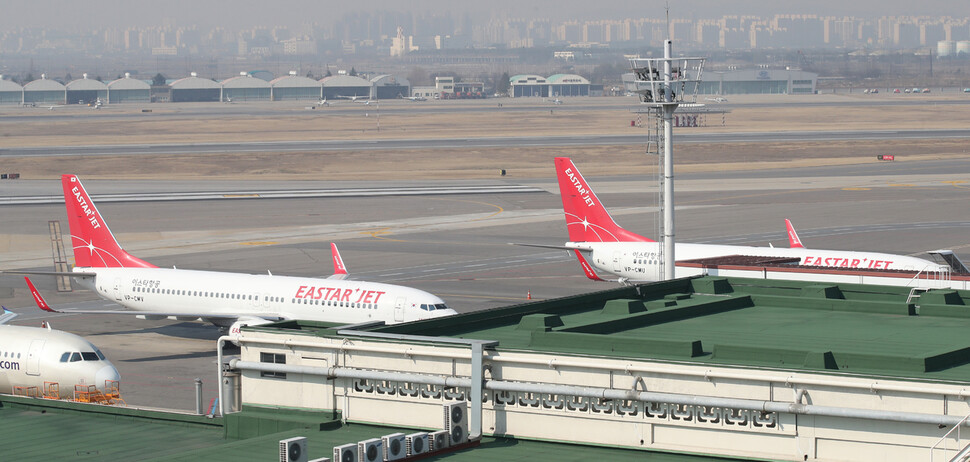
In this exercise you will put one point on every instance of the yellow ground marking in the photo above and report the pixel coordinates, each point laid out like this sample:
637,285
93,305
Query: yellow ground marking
856,189
260,243
381,232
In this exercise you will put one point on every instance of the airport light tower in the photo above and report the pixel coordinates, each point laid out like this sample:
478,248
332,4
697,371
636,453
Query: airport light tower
663,85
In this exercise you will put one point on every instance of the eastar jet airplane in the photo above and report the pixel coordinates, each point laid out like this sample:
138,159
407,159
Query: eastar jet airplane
600,244
228,300
30,356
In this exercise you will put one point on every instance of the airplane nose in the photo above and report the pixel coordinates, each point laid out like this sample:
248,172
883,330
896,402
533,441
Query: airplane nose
443,313
106,373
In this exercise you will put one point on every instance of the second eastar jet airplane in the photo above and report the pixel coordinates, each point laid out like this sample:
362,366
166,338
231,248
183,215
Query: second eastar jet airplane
228,300
602,244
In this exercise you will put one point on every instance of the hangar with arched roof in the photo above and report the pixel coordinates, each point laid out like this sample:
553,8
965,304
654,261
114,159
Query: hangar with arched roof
338,86
195,89
294,88
245,87
85,90
44,91
129,90
10,92
388,86
568,85
528,85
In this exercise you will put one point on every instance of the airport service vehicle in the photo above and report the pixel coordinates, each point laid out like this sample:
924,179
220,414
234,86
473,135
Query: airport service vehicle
30,356
601,244
228,300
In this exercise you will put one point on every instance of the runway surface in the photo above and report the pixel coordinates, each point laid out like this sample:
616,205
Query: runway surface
310,108
454,244
476,143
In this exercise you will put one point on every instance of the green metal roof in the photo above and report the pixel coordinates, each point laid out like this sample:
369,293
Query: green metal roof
847,328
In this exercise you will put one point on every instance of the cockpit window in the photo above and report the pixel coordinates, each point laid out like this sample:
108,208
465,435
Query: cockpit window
89,355
99,353
441,306
75,356
65,356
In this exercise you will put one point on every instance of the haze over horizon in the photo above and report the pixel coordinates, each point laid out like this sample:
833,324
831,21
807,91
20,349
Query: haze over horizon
247,13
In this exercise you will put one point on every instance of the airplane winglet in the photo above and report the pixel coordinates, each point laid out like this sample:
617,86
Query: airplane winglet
793,240
586,267
6,315
339,270
38,298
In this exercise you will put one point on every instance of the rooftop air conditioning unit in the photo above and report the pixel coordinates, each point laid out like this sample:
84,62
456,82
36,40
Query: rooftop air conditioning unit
417,443
370,450
438,440
293,450
394,446
345,453
456,422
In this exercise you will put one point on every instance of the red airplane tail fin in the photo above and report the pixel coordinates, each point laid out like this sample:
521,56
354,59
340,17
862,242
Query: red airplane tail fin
793,240
338,263
41,303
587,220
94,245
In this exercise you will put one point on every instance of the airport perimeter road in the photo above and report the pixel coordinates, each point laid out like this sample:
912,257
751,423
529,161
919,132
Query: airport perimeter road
456,245
475,143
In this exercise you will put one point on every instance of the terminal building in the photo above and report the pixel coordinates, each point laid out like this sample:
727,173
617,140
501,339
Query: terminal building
195,89
344,86
129,90
86,91
245,87
753,82
693,369
44,91
293,87
526,85
10,92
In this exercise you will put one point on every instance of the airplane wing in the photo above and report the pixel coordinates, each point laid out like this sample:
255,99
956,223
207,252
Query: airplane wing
6,315
339,270
543,246
79,274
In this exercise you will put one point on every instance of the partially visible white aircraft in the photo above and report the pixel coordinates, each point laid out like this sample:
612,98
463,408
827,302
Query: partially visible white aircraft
556,101
716,99
354,98
324,102
228,300
98,103
31,356
415,98
600,244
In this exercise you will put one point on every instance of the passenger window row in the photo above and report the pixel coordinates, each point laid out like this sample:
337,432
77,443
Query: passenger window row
308,301
197,293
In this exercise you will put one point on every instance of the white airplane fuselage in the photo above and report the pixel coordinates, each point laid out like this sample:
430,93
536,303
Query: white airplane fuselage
30,356
224,296
638,261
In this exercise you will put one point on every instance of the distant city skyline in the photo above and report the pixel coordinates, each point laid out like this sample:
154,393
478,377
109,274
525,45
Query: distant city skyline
248,13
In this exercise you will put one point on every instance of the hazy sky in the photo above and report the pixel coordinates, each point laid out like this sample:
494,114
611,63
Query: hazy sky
87,14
